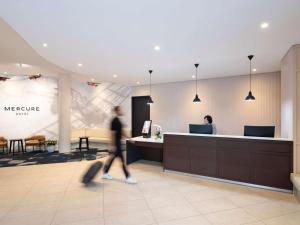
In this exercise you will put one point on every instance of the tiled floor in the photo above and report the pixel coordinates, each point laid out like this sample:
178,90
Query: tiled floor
53,194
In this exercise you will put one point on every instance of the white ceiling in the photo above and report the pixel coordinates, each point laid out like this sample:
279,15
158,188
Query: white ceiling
117,37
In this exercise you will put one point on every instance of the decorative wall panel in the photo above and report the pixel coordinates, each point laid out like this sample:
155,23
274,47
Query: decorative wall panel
92,106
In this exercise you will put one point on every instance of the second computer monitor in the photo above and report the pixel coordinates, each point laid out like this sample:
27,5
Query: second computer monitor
259,131
200,129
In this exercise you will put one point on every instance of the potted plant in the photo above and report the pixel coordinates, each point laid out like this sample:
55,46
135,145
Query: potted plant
157,132
50,144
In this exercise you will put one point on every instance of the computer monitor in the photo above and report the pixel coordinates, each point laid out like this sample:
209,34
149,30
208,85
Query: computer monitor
259,131
200,129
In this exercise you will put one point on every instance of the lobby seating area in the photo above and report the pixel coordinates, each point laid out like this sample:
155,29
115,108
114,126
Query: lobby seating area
29,144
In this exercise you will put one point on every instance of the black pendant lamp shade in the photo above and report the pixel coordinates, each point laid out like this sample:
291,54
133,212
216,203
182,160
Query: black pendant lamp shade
250,96
150,101
196,99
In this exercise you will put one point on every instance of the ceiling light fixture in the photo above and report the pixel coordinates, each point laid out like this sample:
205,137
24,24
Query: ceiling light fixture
250,97
264,25
93,83
115,76
5,72
196,99
157,48
45,45
193,76
79,64
254,70
150,101
137,82
34,76
23,65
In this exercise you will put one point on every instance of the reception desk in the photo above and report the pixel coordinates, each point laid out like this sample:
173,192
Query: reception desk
253,160
139,148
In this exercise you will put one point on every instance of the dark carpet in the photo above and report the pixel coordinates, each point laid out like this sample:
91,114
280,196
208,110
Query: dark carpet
38,157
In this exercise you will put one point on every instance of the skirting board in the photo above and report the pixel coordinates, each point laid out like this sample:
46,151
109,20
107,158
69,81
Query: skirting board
231,181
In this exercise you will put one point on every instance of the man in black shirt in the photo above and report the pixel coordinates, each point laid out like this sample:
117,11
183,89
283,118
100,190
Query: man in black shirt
116,128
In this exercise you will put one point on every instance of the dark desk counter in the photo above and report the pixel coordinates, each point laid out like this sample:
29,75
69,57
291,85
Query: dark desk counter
254,160
144,148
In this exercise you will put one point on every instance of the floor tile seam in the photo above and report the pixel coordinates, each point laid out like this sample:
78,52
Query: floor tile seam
228,198
279,204
80,220
187,217
191,202
58,207
103,196
284,214
184,197
216,211
16,203
230,210
155,220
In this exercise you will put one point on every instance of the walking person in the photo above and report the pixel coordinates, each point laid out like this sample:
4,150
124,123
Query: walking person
117,132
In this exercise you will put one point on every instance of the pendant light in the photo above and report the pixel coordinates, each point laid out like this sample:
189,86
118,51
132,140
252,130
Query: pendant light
196,99
150,101
250,97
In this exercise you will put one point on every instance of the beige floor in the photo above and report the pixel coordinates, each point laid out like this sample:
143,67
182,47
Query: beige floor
53,194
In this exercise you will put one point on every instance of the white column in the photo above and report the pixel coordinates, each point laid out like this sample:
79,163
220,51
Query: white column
290,100
64,106
297,111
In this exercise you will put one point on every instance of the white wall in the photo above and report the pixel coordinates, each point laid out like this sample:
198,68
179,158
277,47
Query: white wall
288,84
290,101
297,113
223,98
18,92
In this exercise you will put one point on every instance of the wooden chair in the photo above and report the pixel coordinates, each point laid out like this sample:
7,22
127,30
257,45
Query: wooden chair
36,141
3,144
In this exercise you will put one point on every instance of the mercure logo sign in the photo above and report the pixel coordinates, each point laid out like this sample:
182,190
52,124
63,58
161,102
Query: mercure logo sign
21,110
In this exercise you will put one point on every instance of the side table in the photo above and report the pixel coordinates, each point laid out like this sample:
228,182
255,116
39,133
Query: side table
12,143
81,139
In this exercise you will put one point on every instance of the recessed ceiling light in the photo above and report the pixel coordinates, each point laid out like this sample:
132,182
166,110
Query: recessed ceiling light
193,76
137,82
156,48
45,45
115,75
264,25
79,64
5,72
23,65
254,70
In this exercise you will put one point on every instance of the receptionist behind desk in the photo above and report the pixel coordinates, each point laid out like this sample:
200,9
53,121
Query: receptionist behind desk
209,121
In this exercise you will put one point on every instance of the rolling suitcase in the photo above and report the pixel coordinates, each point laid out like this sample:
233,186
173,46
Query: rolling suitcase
92,172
